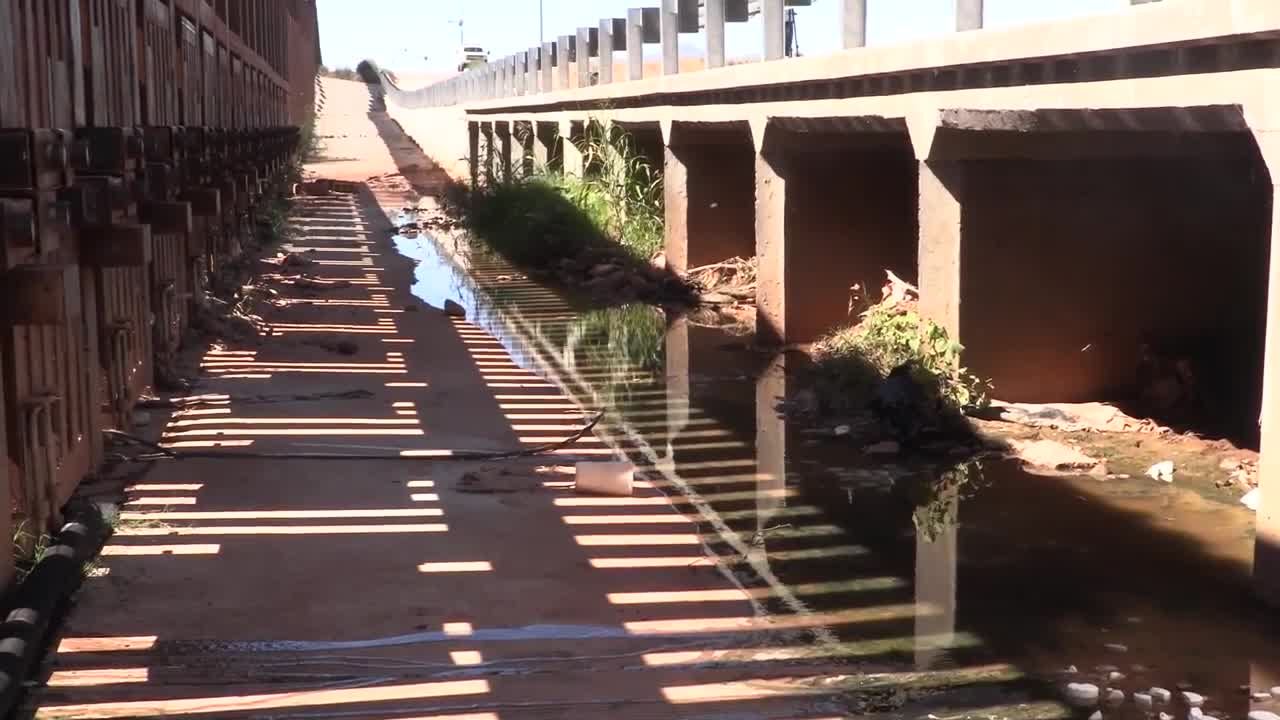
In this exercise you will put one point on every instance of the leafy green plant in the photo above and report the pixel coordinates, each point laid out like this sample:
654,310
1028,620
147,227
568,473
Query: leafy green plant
853,358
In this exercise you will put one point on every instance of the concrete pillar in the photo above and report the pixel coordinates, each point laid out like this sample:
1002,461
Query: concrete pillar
678,374
635,44
502,129
545,61
942,184
854,22
771,442
489,155
675,207
564,48
525,137
473,152
544,140
775,39
771,226
715,33
670,38
606,51
968,15
935,583
1266,554
570,153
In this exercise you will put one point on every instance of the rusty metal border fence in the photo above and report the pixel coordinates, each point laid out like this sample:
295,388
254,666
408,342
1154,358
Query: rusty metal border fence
136,137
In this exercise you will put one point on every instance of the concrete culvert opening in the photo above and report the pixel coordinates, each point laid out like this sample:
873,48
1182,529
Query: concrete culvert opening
710,195
1137,276
851,214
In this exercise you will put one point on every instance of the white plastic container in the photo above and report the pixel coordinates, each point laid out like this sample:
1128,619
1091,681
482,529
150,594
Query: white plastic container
605,478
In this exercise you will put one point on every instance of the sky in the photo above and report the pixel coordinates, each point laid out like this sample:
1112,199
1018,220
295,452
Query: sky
424,34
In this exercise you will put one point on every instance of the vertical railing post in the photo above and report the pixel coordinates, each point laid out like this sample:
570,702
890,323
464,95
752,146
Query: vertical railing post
855,23
968,15
775,41
715,33
584,56
606,51
564,52
670,38
545,62
635,44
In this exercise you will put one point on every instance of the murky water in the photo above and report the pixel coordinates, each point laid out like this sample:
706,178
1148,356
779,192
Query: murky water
1127,584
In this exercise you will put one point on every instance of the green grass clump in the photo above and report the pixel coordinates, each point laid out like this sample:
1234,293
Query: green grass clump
616,209
850,361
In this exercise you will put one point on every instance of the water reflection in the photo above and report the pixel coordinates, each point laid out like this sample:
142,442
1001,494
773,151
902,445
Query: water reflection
1134,585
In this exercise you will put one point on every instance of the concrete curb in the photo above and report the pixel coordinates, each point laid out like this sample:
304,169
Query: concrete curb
41,599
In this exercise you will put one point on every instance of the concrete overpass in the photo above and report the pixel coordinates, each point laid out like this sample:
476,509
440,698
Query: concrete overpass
1062,192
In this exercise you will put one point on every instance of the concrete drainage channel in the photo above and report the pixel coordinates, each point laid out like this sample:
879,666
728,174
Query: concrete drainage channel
34,609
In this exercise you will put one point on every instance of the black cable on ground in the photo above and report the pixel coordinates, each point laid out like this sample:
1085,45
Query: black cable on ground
41,599
453,455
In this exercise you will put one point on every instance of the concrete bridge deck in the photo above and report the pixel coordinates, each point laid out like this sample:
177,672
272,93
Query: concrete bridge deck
1065,194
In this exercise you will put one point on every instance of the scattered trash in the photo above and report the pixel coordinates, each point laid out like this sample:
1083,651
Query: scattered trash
1161,471
1071,417
733,280
1252,499
453,309
841,430
605,478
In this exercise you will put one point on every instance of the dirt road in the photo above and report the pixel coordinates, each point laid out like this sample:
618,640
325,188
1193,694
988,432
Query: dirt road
254,584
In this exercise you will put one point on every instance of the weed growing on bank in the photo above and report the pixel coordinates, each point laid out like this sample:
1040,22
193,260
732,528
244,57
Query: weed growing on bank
851,361
549,216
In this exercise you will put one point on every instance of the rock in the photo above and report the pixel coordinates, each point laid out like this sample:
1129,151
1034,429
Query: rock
1195,712
1162,471
1142,700
453,309
887,447
603,269
346,347
1055,456
1165,716
841,430
1116,647
1161,695
1097,715
1115,676
1275,692
1195,700
805,401
1082,694
715,298
141,418
1114,696
1071,669
1263,715
1260,696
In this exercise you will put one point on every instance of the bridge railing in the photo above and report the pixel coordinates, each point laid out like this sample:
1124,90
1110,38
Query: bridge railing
548,68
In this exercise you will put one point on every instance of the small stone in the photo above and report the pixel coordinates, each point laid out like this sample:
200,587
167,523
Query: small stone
1097,715
1115,676
1082,694
1263,715
1162,471
1195,712
841,430
1143,700
1161,695
1071,669
1114,696
1165,716
1195,700
1261,696
1116,647
453,309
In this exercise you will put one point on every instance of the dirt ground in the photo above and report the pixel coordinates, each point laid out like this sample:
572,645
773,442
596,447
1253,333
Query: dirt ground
254,583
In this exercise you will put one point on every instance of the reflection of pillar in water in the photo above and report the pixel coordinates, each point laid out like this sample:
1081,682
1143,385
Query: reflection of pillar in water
771,441
1261,679
677,372
936,586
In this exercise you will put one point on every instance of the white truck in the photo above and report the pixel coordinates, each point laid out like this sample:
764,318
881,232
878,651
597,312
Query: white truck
472,56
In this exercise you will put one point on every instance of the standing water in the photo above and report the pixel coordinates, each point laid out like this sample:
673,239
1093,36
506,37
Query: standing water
1126,585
